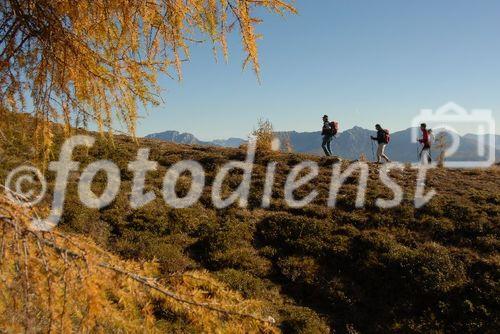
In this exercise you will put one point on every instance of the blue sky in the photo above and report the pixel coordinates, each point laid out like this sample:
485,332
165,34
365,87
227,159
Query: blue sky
360,61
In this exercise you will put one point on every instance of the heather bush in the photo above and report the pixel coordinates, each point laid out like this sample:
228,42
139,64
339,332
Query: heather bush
301,320
249,285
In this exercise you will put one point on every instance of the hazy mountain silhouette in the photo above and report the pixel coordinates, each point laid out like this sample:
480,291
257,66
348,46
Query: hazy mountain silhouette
474,137
188,138
349,144
230,142
177,137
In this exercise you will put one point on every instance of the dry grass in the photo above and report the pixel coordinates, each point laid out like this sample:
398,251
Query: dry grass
65,283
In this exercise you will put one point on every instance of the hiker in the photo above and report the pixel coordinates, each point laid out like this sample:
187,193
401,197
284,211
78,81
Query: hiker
425,153
382,139
327,134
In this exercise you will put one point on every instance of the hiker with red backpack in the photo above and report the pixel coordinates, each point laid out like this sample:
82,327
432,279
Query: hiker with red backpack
329,131
425,153
383,138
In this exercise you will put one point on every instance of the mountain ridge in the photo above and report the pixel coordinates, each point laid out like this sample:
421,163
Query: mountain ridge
190,139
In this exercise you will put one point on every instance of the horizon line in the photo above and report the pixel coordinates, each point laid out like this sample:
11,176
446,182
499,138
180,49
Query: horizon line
296,131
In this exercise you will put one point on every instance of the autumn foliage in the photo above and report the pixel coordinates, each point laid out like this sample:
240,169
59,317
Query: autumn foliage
56,282
97,61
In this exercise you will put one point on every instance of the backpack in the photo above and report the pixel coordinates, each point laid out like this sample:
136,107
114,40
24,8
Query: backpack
387,136
335,127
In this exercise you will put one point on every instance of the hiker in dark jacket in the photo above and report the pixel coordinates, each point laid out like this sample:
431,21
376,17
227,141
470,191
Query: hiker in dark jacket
425,153
382,140
327,134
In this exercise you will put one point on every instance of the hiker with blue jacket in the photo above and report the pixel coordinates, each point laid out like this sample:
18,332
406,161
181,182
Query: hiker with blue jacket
382,139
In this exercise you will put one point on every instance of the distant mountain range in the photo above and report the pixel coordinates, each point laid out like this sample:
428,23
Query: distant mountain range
474,137
187,138
349,144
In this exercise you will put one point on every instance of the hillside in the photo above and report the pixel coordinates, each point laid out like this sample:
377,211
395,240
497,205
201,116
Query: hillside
66,283
314,269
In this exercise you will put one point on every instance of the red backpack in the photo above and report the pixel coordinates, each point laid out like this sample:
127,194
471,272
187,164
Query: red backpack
335,127
387,136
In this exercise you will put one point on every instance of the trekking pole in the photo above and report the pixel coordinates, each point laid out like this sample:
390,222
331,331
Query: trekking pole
373,151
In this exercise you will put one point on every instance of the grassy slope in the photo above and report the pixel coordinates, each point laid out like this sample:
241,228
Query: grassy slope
66,283
369,270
